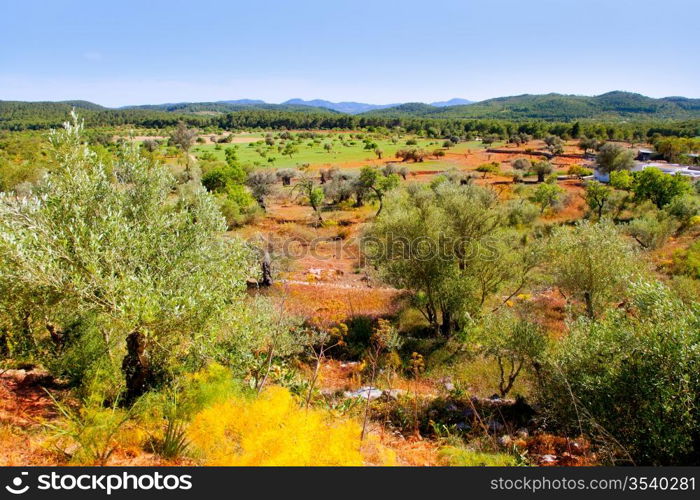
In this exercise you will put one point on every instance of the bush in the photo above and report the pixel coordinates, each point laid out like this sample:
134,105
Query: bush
272,430
684,208
521,212
462,457
652,230
631,380
83,351
91,434
687,262
514,343
579,171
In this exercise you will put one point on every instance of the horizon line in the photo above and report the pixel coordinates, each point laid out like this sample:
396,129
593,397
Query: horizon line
220,101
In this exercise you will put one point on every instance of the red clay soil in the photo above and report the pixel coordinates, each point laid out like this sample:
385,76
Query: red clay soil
23,404
549,450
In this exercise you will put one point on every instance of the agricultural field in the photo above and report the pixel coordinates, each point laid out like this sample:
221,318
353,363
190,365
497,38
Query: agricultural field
329,149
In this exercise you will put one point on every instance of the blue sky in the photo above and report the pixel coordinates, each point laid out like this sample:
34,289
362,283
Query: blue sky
135,52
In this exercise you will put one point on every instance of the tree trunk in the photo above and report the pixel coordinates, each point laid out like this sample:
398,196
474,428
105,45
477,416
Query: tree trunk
446,326
589,304
4,347
135,367
266,269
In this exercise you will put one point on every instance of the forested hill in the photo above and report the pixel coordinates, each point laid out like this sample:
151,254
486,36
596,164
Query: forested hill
20,115
229,107
611,106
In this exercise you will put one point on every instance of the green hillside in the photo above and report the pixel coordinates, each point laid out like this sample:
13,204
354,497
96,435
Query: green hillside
611,106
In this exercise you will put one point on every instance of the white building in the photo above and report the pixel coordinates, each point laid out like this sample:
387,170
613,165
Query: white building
668,168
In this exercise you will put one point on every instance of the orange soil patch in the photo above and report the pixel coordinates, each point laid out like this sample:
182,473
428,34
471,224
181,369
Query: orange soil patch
334,303
23,405
411,451
338,375
22,410
550,311
549,450
575,202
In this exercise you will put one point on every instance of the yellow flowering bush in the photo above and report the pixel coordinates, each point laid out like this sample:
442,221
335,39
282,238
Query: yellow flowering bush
272,430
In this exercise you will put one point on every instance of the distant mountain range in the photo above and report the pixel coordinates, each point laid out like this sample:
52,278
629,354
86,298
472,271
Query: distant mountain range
613,106
354,108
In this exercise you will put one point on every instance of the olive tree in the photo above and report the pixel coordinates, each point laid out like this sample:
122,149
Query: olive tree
117,244
586,144
546,195
522,164
312,193
555,145
597,196
445,243
514,343
613,157
372,180
542,169
592,262
262,185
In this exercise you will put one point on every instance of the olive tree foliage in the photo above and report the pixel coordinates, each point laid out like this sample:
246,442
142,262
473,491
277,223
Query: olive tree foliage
554,144
547,195
613,157
446,244
541,169
659,187
261,184
522,164
630,379
372,180
586,144
592,263
118,244
652,229
597,196
183,137
312,193
515,343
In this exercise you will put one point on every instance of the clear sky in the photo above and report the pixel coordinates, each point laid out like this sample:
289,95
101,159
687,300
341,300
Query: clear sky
382,51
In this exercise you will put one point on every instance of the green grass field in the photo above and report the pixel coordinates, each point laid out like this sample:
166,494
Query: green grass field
313,152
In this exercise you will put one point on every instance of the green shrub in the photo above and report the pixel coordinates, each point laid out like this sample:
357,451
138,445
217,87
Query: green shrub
631,379
652,230
684,208
658,187
687,262
462,457
521,212
514,343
